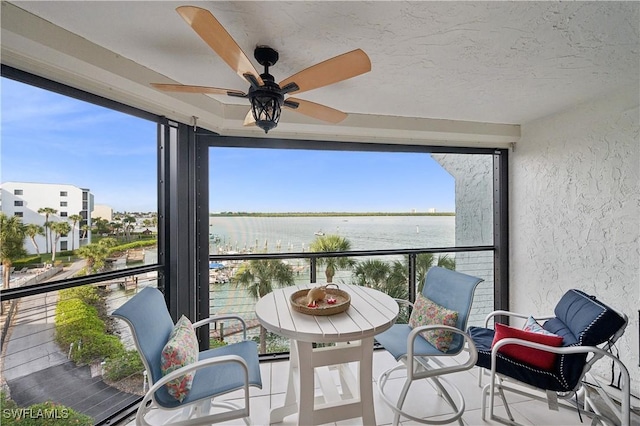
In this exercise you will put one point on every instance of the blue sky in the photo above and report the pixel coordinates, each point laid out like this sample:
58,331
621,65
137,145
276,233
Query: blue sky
327,181
51,138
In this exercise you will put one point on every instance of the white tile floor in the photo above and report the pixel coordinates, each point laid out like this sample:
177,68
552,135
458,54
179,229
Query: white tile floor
422,400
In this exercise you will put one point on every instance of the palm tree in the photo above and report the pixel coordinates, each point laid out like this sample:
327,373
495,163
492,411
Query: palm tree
257,276
74,218
59,229
116,227
128,225
332,243
85,231
12,235
393,279
388,278
47,211
101,226
96,253
371,273
32,230
424,262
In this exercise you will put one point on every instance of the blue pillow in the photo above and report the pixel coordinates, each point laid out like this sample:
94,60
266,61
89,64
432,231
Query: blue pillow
533,326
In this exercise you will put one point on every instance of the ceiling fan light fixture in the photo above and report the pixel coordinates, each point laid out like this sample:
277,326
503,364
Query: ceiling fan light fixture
266,105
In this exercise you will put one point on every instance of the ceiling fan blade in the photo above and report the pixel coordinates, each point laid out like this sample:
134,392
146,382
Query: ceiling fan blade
331,71
198,89
315,110
214,34
249,120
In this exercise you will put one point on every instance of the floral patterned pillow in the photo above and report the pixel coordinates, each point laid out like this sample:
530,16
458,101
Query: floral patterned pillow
181,349
427,312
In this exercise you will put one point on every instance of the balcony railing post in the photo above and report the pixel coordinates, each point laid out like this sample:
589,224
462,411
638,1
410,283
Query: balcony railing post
412,277
312,269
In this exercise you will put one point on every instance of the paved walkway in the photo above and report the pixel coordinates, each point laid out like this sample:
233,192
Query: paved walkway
31,346
36,369
73,387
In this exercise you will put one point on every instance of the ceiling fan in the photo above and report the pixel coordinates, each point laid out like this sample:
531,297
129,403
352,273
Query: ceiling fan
265,95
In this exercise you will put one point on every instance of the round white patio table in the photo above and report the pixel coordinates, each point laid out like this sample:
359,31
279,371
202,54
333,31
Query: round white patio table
370,312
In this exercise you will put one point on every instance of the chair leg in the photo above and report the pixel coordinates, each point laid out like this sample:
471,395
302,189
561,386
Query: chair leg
496,381
187,413
444,394
204,407
438,387
483,409
401,398
489,390
621,411
504,401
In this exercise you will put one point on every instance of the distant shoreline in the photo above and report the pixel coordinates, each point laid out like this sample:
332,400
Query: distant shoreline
323,214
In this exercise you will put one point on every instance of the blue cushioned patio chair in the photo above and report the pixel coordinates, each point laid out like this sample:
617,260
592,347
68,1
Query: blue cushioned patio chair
217,371
589,329
421,360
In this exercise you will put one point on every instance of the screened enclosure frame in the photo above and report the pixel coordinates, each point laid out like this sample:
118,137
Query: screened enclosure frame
206,139
183,204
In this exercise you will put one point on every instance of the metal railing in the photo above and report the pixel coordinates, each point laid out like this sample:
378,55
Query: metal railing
37,368
227,297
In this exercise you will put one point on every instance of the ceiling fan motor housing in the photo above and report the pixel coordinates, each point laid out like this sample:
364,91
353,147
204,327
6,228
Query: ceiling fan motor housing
266,56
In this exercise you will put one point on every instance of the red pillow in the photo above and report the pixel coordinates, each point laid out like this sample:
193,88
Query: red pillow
534,357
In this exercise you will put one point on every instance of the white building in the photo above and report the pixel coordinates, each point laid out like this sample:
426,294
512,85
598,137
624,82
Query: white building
24,199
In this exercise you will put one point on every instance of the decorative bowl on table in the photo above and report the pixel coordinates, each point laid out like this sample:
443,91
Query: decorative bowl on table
333,302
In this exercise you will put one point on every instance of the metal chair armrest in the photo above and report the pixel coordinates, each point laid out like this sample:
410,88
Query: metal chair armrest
415,333
216,318
404,302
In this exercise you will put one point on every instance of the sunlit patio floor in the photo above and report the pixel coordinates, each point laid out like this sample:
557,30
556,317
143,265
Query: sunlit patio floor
422,400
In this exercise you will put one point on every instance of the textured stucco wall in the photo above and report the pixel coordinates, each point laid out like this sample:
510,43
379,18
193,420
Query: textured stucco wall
575,212
474,223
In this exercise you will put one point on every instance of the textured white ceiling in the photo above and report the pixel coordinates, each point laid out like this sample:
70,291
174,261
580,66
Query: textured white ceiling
487,62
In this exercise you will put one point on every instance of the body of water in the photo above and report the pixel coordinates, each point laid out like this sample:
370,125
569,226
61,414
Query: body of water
295,234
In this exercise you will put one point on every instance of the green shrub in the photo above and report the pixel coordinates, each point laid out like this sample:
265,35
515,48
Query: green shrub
6,402
275,343
122,365
215,343
133,245
87,294
44,414
74,318
78,323
26,261
96,345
